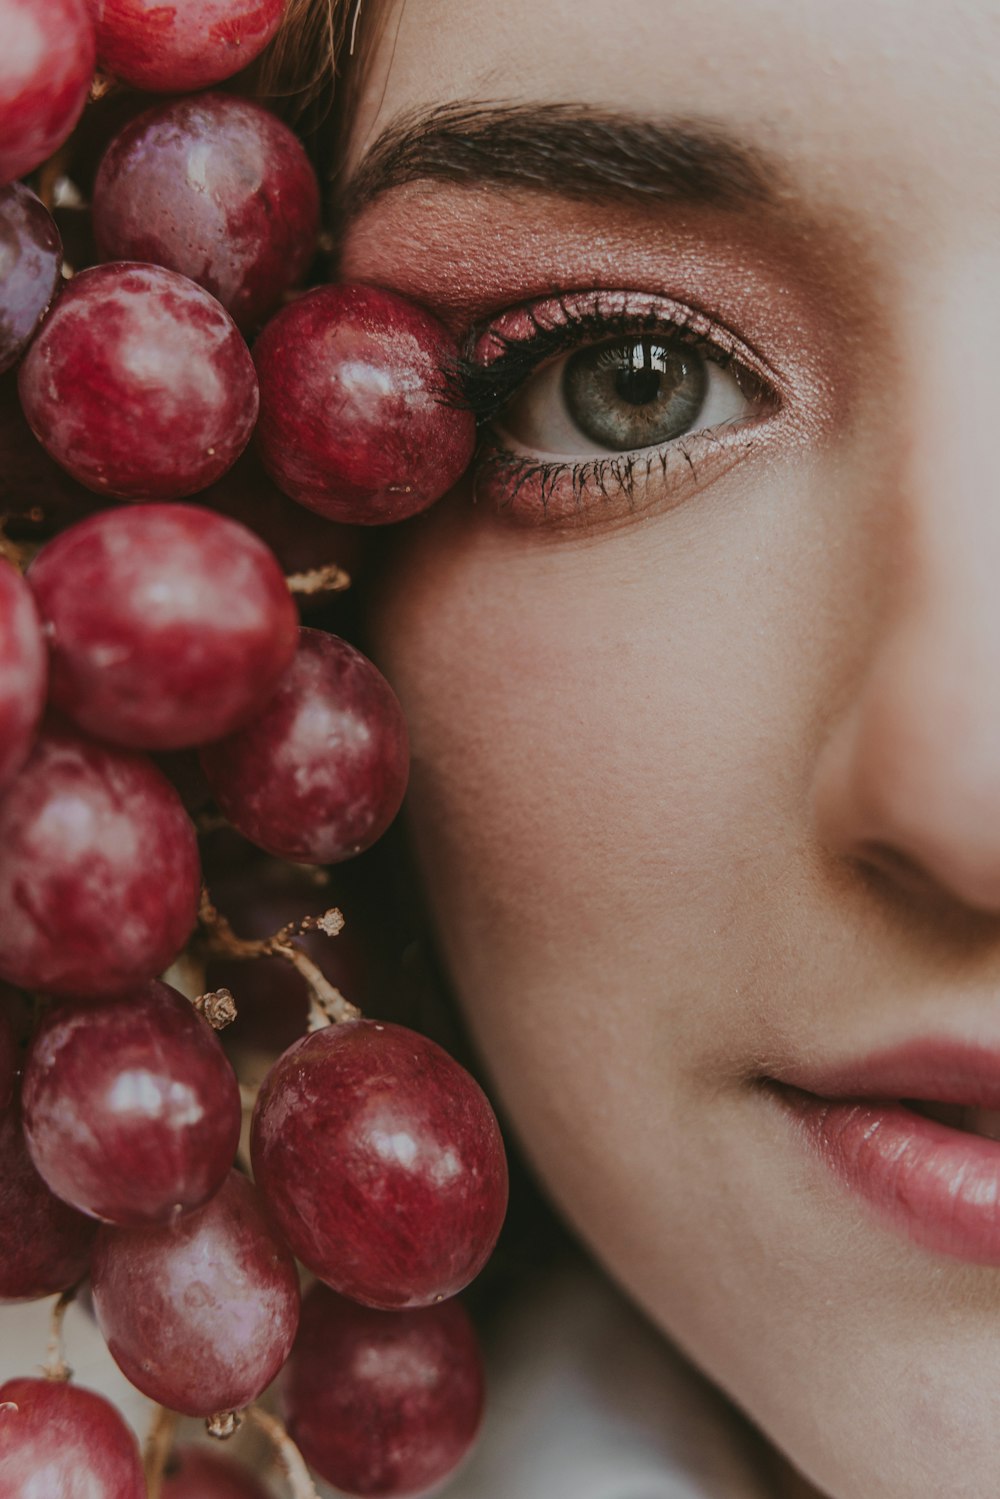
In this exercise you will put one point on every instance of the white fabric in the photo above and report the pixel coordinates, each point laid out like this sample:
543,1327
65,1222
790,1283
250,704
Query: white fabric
585,1402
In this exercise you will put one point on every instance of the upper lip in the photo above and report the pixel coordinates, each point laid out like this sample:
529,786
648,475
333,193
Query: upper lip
937,1069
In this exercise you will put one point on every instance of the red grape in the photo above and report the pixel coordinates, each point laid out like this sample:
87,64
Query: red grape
99,873
131,1109
200,1315
381,1162
385,1403
44,1245
353,420
214,187
169,625
194,1473
139,383
46,65
320,773
22,672
30,267
185,45
58,1441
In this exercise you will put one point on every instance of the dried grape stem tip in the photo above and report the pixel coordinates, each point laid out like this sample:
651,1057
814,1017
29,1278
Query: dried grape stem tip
224,1424
218,1007
327,1005
328,579
17,555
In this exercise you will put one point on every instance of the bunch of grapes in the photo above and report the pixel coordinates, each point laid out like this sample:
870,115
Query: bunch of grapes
148,635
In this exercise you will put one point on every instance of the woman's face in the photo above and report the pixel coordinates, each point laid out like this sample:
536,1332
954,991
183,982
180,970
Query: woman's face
706,741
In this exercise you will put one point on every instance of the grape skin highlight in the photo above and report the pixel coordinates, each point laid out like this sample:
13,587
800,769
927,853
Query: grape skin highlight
188,44
353,420
169,625
320,774
381,1162
203,1314
139,383
217,188
131,1109
99,869
46,64
383,1403
71,1436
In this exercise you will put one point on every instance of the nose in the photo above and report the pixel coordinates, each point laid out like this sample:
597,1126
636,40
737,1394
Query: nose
909,779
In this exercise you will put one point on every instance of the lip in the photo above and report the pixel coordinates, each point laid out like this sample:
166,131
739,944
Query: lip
938,1185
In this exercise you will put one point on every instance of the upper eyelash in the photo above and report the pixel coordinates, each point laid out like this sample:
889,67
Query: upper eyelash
485,388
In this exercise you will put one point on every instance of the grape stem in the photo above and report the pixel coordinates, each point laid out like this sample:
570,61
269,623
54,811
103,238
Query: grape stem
327,1006
327,579
299,1478
224,1424
159,1440
218,1007
210,822
55,1366
102,84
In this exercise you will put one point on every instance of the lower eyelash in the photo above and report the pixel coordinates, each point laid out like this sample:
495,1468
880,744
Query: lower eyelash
610,476
485,385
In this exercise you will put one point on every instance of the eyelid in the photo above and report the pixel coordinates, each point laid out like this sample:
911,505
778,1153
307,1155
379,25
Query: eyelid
521,325
530,488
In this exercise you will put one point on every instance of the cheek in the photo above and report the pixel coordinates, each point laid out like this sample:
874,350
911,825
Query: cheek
610,738
614,743
613,746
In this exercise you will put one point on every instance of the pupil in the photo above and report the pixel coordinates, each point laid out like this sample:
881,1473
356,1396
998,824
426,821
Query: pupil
635,392
638,382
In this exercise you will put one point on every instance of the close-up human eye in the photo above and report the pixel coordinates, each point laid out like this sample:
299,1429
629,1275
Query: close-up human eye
499,749
592,394
633,392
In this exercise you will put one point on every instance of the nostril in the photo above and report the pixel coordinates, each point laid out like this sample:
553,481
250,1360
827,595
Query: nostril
906,786
896,866
953,876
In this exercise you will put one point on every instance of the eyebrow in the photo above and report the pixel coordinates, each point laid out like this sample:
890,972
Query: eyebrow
571,150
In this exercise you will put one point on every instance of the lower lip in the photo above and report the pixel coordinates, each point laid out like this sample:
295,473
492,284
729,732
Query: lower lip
939,1186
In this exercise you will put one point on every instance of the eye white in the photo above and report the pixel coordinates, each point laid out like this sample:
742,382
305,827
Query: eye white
538,421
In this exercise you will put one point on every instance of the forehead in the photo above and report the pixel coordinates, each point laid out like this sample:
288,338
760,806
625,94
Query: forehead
887,104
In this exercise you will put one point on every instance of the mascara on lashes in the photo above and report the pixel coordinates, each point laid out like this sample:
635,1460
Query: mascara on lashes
496,363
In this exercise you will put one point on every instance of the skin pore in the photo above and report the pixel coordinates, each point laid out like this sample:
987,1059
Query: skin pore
706,770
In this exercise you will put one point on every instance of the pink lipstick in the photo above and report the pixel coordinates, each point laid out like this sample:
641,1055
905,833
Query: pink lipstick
915,1131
